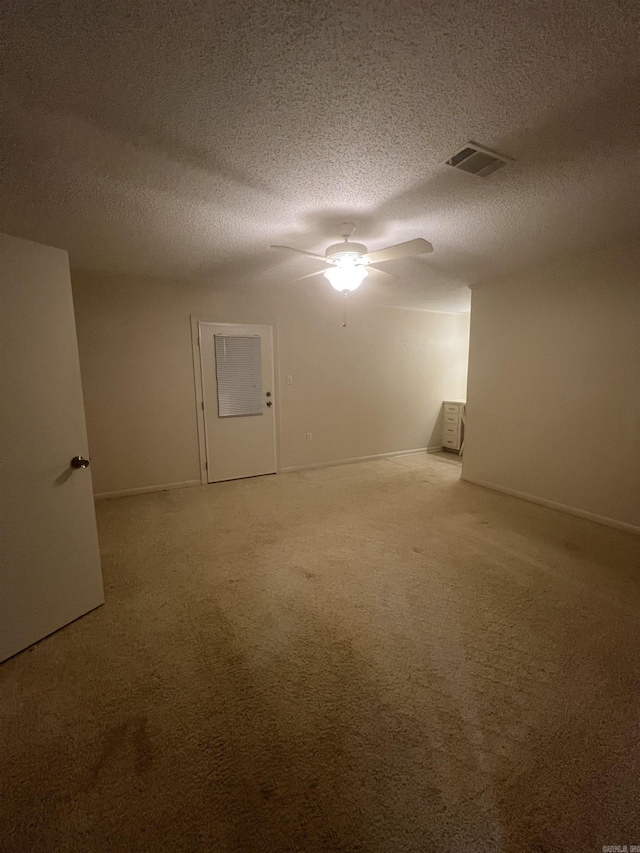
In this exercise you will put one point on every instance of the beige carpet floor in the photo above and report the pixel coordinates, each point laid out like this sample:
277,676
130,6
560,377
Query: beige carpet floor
374,657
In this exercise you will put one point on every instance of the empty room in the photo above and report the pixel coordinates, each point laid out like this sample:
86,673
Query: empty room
320,426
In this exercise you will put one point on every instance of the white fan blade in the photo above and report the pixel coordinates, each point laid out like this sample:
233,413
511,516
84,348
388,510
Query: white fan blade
401,250
309,275
383,273
301,252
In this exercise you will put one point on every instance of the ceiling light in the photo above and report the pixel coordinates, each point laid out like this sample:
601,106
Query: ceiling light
346,277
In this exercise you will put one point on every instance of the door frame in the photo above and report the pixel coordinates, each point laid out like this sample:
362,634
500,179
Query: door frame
196,322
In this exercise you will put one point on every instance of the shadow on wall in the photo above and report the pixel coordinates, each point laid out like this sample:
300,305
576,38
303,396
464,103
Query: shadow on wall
435,439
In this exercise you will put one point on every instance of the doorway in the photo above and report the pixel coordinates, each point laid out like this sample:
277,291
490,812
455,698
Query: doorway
237,400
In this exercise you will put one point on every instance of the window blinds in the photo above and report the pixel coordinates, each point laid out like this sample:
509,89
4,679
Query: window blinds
239,375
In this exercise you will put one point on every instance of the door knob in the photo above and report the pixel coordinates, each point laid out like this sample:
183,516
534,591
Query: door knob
79,462
269,403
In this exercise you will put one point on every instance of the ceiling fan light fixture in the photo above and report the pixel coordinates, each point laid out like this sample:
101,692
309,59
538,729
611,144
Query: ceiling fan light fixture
348,261
347,277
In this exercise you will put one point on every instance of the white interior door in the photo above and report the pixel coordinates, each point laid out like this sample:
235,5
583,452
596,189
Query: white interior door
50,561
236,363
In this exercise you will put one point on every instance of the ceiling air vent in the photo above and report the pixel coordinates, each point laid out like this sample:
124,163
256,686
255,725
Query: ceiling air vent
477,161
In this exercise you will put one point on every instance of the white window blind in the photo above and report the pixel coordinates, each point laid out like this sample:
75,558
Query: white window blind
239,375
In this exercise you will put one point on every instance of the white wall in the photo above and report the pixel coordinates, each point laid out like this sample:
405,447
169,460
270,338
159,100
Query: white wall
554,384
375,387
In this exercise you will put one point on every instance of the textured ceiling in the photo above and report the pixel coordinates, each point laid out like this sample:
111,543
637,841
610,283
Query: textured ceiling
183,138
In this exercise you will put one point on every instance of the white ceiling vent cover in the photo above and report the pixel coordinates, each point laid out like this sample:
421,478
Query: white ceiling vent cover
477,161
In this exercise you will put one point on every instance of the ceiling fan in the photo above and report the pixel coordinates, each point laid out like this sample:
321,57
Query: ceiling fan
350,263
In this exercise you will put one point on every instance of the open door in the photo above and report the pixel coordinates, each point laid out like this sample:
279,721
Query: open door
50,561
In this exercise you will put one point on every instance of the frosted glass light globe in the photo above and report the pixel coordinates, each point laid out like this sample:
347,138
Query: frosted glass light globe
346,278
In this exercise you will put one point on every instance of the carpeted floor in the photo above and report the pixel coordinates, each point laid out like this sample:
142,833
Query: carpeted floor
374,657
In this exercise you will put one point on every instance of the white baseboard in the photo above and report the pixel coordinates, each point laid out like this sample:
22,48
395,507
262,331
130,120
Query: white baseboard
145,489
188,483
313,466
571,510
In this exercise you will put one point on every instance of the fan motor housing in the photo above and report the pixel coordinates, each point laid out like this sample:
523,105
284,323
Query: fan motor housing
346,250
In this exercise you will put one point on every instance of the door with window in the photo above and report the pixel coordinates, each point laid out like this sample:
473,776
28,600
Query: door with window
238,400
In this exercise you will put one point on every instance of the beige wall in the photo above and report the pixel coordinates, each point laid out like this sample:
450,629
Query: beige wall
554,384
372,388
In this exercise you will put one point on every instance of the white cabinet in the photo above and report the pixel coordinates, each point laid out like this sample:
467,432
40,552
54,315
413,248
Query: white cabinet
453,425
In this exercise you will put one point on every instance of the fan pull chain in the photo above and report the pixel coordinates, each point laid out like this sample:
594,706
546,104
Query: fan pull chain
344,312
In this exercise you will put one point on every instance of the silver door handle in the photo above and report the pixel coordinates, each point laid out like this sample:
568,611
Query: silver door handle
79,462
